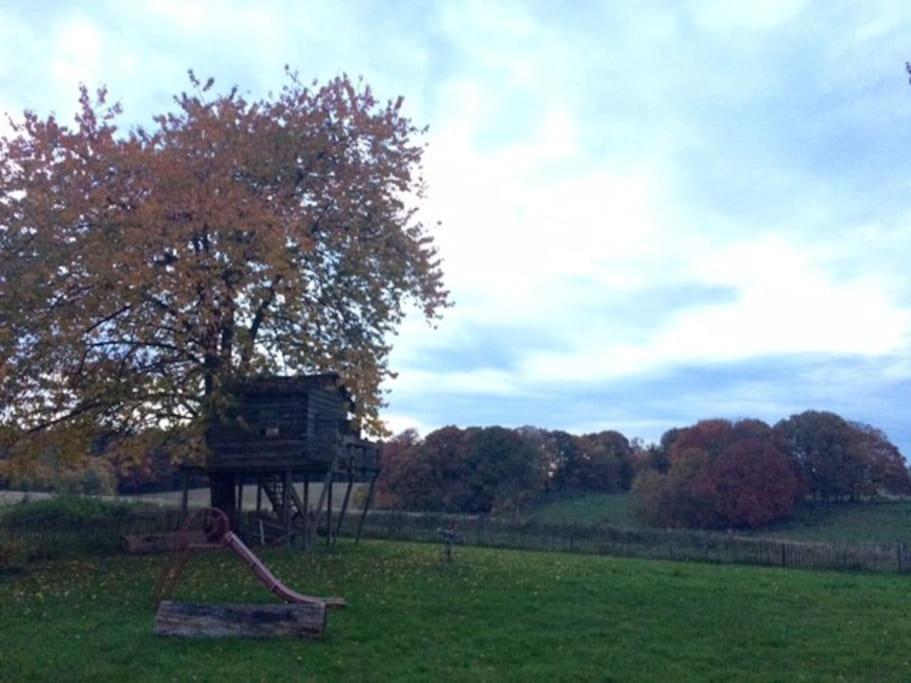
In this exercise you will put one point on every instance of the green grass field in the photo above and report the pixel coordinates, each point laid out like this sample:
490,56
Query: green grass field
882,522
490,615
612,509
879,522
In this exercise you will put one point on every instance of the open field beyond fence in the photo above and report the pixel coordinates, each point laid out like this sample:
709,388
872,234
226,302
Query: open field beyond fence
695,546
60,535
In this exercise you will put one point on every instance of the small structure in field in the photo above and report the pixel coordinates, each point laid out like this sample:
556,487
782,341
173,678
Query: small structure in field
451,537
281,434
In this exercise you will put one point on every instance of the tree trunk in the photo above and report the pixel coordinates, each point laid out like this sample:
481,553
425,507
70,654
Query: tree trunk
223,487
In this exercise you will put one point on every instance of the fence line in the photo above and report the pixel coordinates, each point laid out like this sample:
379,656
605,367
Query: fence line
62,536
668,544
58,537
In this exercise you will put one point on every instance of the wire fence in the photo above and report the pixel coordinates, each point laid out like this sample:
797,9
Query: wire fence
666,544
60,536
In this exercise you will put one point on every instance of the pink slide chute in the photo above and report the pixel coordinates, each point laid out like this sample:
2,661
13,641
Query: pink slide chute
269,580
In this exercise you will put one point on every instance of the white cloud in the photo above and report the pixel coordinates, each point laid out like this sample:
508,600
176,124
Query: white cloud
483,381
524,220
785,304
734,14
186,16
397,423
78,54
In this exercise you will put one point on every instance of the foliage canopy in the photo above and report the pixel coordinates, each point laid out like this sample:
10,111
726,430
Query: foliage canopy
747,474
721,474
140,272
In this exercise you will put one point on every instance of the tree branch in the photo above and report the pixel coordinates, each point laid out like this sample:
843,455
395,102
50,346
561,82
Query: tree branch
258,318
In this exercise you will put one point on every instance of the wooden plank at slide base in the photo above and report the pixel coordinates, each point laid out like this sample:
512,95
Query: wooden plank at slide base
200,620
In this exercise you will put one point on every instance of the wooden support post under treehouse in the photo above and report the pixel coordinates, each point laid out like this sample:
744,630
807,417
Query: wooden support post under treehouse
360,524
300,509
326,494
286,507
185,493
341,516
296,499
329,513
223,494
306,511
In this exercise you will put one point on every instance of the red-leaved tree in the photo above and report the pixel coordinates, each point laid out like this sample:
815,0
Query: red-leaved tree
722,474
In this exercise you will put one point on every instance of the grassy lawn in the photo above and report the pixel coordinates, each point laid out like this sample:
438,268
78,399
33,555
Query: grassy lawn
880,522
491,615
613,509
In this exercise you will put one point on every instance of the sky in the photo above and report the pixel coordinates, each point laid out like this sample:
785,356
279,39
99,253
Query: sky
649,213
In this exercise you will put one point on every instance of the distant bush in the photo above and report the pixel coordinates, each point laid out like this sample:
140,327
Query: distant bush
64,510
90,475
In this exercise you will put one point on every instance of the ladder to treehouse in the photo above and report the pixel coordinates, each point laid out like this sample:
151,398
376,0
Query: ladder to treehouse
288,515
291,515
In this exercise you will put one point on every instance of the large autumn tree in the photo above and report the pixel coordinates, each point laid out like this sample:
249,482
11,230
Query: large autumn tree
141,271
843,460
473,470
721,474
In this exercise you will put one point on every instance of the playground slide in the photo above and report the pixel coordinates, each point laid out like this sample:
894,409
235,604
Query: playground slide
269,580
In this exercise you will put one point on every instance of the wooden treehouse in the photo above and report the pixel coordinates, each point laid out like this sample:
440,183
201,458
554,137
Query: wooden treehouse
279,435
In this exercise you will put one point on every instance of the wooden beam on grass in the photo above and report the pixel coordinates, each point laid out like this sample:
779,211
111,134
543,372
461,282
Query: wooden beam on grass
201,620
